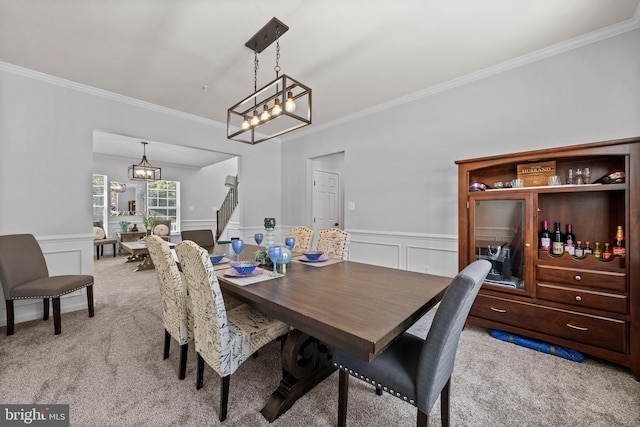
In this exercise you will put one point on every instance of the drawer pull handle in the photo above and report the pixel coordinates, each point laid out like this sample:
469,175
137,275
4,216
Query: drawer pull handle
578,298
579,328
578,278
498,310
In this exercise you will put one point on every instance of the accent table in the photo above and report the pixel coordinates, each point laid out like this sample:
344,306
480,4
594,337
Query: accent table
124,236
138,252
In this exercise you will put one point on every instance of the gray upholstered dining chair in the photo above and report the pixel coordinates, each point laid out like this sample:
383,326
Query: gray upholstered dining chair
224,338
24,275
176,310
334,243
203,238
303,236
419,370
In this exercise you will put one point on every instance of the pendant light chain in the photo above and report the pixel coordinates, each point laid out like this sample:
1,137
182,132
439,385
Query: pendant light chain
277,67
256,65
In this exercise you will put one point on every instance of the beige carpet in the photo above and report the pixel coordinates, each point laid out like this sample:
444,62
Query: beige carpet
110,370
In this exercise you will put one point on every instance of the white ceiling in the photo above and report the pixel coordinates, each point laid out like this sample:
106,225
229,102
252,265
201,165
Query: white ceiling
354,54
158,153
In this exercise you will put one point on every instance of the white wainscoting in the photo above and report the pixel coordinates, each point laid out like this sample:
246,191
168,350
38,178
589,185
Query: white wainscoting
424,253
71,254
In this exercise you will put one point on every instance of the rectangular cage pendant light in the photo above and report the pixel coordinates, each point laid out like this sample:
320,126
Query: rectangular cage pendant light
287,104
279,107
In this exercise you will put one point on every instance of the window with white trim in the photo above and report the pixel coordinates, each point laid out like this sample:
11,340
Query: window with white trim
163,201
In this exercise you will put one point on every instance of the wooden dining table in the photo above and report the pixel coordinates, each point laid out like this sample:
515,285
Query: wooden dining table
355,307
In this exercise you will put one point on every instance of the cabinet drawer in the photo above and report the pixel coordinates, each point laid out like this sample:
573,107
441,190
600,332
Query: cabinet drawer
597,331
608,280
583,298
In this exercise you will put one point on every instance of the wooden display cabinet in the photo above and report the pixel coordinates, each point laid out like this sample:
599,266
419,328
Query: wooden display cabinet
586,304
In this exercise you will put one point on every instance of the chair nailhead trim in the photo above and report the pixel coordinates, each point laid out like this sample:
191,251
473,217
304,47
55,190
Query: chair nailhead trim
54,296
377,384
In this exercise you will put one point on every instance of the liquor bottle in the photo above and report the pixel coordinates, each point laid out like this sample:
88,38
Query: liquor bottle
618,243
570,241
579,251
596,250
557,241
606,253
587,248
544,241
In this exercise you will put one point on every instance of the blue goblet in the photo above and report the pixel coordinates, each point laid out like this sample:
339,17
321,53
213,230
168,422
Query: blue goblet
237,246
274,253
258,237
290,242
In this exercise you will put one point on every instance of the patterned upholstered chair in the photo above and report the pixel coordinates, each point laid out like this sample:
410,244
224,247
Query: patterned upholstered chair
334,243
419,370
100,239
203,238
178,323
163,229
224,338
24,275
303,236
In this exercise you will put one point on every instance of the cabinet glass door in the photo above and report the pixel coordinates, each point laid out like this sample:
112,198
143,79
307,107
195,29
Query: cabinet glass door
498,234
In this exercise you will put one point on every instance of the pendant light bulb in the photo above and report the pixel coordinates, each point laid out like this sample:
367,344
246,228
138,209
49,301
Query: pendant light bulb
265,114
245,124
254,119
277,108
290,105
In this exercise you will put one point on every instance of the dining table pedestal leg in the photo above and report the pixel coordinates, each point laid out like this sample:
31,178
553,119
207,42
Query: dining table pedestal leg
306,362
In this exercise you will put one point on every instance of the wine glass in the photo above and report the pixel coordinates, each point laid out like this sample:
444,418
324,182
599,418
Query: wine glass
290,242
274,253
258,237
237,246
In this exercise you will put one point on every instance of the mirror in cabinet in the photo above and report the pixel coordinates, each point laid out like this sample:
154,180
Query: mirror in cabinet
498,236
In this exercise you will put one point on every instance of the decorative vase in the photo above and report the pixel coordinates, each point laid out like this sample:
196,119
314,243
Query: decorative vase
269,238
269,225
124,225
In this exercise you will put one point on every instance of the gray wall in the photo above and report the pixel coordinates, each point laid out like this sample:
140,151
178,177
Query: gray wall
202,190
399,163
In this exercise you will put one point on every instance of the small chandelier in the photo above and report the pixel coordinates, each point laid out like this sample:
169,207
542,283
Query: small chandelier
144,171
279,107
118,187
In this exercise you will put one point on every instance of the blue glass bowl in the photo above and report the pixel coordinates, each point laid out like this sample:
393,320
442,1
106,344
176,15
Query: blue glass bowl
216,258
244,267
313,255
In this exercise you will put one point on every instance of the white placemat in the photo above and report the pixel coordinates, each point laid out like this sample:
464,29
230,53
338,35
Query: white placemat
317,264
222,265
244,281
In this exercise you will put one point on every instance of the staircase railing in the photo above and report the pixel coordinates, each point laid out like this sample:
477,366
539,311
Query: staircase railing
226,210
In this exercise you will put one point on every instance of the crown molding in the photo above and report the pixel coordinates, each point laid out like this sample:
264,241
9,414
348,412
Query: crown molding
79,87
575,43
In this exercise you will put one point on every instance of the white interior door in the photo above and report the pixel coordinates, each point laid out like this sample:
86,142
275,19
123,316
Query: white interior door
326,200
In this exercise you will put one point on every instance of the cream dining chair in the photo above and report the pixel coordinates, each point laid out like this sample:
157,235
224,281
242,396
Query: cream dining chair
224,338
176,310
334,243
303,236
